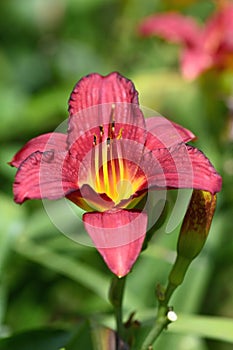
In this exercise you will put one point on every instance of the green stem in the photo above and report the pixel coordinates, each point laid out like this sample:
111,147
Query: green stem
161,323
116,294
176,278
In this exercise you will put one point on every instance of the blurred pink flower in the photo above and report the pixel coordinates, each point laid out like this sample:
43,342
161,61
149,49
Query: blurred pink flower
106,163
204,47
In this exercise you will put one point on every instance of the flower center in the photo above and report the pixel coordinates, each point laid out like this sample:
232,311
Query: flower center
111,172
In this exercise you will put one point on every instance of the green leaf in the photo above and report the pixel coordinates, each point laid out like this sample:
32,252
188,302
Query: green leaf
46,339
81,339
88,4
218,328
186,326
11,225
78,271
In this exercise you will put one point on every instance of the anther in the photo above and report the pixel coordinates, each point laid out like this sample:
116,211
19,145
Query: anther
119,136
95,140
108,141
113,111
101,130
113,125
112,117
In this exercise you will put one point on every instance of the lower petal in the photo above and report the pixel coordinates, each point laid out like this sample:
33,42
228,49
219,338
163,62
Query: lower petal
118,236
89,200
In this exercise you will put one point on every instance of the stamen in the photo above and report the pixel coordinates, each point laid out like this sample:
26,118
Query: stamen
113,126
95,140
119,136
94,163
101,130
100,167
110,171
112,117
105,166
112,112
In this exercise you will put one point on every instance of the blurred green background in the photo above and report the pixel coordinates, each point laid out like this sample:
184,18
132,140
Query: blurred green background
47,279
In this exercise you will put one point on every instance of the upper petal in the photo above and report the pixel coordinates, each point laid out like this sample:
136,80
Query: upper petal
118,236
99,101
95,89
94,127
162,133
45,142
45,175
171,26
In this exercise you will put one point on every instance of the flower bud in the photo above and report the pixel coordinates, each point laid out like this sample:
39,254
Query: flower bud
193,234
196,224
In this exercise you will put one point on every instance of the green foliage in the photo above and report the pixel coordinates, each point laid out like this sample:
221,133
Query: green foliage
46,339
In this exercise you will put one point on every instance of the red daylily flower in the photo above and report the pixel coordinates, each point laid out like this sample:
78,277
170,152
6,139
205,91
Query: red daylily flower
210,46
107,162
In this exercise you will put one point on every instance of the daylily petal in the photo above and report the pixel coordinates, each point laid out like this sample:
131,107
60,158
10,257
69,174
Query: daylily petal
118,236
82,142
120,159
112,103
180,167
218,30
95,89
205,177
45,175
171,26
45,142
195,61
89,200
164,133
